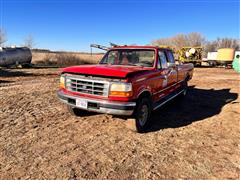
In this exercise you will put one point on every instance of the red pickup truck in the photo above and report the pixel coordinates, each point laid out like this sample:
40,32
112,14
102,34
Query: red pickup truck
129,80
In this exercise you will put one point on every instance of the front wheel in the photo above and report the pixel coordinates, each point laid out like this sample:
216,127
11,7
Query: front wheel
143,114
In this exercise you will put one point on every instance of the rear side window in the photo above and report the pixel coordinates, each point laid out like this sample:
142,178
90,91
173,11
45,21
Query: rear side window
162,59
170,57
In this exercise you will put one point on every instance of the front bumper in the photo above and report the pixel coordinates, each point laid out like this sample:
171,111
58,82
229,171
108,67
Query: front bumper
101,106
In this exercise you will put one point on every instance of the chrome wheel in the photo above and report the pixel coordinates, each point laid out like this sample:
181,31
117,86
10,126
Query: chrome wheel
184,92
143,115
185,88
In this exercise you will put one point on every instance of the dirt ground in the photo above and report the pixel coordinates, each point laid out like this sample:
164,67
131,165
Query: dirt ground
196,138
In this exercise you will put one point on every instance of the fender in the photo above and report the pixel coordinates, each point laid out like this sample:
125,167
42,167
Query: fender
144,89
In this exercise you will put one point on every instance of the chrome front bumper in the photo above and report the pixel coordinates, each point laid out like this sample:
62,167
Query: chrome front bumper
115,108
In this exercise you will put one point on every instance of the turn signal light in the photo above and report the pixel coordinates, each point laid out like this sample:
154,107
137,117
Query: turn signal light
62,82
121,94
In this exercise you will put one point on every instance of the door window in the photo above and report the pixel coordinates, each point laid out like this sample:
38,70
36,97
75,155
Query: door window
162,59
170,57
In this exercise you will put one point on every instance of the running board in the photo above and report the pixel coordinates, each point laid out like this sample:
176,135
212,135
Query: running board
166,99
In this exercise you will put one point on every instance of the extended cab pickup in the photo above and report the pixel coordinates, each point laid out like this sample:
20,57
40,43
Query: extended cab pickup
129,80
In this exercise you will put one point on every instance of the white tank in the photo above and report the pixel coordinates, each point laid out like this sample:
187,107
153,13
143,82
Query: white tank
212,56
11,56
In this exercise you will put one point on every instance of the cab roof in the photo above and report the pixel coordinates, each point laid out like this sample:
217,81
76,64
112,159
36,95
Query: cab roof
139,47
196,47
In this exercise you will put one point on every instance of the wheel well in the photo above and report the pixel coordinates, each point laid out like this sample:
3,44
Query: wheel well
146,94
187,77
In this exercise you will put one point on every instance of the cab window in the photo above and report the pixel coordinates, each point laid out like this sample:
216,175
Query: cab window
170,57
162,62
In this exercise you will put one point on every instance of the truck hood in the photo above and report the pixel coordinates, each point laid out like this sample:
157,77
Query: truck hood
105,70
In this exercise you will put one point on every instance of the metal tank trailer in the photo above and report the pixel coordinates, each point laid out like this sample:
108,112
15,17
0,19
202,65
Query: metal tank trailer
10,56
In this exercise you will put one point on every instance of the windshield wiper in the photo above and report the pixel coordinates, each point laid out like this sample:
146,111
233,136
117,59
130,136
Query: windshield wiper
134,64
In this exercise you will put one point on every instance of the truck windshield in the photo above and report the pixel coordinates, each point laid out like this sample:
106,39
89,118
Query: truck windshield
129,57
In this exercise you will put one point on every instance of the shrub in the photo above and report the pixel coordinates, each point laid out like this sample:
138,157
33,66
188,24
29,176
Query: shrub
62,60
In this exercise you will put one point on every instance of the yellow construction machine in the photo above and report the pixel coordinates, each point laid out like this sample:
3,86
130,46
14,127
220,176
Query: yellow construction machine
190,55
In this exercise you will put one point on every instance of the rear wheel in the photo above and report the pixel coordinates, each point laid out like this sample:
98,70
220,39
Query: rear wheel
184,89
143,114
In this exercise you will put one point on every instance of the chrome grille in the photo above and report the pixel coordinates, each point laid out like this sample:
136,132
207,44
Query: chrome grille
87,86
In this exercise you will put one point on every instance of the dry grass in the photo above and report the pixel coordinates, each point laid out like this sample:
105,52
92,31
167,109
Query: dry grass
64,58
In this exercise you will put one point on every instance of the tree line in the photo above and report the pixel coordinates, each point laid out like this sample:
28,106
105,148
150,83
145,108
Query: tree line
197,39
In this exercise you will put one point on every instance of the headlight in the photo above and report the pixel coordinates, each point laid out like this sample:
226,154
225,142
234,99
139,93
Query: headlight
62,81
121,89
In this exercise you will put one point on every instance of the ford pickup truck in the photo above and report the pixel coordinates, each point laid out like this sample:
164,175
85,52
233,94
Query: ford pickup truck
129,81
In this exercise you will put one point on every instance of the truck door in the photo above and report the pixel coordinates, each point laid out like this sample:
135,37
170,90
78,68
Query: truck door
169,71
161,79
173,72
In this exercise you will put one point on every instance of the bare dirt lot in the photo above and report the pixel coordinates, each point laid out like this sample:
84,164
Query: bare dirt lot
196,138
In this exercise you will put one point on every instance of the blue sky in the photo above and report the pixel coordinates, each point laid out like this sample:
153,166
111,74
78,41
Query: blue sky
74,25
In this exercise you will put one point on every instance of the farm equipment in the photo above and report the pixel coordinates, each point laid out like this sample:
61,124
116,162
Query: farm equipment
168,47
99,47
190,55
223,57
105,48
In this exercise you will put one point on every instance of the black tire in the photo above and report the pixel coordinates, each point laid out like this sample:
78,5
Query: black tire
26,65
74,111
184,88
212,63
143,114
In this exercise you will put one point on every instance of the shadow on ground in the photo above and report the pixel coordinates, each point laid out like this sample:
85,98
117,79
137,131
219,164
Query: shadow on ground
16,73
198,105
9,73
5,81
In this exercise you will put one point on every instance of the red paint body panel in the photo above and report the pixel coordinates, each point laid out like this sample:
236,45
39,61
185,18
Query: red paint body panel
105,70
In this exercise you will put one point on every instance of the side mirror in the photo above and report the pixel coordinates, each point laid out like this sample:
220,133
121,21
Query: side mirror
171,65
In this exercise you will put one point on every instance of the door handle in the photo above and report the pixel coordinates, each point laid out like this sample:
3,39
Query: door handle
164,77
169,72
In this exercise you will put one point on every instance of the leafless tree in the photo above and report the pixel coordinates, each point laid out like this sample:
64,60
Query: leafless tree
211,46
162,41
195,39
29,41
227,43
180,40
3,37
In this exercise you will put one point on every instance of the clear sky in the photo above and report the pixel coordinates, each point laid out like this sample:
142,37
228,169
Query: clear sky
74,25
